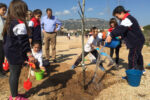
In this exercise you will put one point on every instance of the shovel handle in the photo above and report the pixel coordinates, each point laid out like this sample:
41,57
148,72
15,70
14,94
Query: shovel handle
29,72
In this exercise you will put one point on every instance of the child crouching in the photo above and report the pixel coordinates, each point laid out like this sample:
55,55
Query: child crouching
37,54
90,47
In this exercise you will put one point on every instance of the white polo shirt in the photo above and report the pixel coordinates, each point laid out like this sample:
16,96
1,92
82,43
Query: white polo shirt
93,41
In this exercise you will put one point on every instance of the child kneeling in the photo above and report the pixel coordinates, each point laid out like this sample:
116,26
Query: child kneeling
90,47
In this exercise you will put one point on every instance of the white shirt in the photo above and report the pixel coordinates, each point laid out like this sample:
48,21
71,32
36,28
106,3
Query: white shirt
93,41
68,34
38,56
1,27
108,33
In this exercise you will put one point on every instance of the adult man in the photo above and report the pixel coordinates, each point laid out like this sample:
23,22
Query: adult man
50,25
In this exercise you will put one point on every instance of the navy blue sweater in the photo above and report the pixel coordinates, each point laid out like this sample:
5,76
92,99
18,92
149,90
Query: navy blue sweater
131,32
35,26
16,43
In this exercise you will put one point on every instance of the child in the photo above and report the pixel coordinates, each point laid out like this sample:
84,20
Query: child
68,36
113,23
130,31
29,16
16,44
35,26
103,36
37,53
3,9
90,47
91,32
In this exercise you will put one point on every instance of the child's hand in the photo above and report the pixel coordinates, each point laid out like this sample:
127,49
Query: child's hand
119,37
43,68
30,40
32,59
108,39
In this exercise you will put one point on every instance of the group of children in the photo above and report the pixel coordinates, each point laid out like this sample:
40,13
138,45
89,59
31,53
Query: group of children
21,41
128,30
19,35
97,40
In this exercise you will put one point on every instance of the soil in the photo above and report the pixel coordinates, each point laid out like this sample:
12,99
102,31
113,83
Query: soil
61,83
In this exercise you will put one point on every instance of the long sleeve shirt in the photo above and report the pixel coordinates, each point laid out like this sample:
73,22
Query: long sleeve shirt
49,24
16,43
35,26
131,32
1,27
38,56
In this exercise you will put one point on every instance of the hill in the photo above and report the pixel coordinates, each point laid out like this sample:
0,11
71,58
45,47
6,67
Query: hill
73,24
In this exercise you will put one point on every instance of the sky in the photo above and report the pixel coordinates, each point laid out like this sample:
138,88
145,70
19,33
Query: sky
68,9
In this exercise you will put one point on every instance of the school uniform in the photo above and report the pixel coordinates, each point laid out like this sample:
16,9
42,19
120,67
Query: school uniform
35,27
1,44
16,46
88,49
130,30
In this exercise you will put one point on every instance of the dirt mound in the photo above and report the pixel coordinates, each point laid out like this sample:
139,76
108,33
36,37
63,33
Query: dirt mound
61,84
69,84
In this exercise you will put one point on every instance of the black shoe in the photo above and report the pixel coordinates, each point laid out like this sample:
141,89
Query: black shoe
46,63
2,75
54,61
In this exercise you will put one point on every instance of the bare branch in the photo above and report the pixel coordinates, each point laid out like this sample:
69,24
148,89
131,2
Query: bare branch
80,16
80,7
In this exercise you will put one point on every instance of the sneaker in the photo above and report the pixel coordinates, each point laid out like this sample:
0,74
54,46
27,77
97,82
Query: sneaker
72,67
102,68
54,61
143,71
125,77
19,97
2,75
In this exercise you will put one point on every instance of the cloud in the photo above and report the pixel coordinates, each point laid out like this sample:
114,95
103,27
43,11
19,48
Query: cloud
57,13
74,8
90,9
100,13
65,12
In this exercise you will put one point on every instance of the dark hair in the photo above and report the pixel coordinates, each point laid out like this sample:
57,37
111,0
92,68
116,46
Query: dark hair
31,15
36,42
119,10
113,20
102,30
17,10
37,11
93,28
48,9
3,5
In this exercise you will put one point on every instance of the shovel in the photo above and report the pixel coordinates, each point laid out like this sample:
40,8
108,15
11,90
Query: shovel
28,84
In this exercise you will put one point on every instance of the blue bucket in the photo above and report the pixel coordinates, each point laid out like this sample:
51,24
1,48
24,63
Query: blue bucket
134,77
113,44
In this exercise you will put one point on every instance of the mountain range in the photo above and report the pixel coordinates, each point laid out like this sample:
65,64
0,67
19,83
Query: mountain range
74,24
